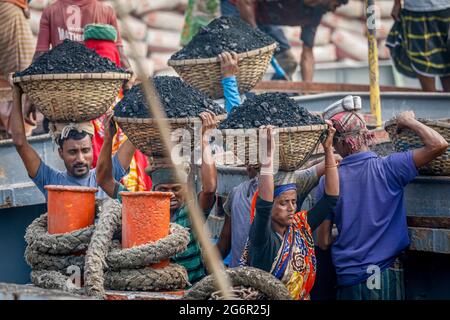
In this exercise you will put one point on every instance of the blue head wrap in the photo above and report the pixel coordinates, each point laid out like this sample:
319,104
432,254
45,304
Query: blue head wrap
281,189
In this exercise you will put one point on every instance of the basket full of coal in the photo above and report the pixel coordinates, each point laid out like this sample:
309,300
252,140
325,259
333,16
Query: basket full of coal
405,140
182,104
299,132
72,83
197,62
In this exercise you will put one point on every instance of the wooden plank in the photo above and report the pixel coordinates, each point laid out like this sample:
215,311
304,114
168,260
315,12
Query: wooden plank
9,291
139,295
430,240
316,87
429,222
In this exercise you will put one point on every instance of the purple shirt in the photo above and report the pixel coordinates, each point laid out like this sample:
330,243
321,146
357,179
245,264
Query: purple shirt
370,215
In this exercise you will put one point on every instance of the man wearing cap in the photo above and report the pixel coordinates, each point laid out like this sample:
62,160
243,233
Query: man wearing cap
164,181
370,215
75,149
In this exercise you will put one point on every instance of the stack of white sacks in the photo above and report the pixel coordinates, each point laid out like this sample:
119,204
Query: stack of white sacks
343,35
156,27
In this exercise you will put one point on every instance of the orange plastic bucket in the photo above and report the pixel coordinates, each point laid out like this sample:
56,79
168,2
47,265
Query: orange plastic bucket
70,208
145,218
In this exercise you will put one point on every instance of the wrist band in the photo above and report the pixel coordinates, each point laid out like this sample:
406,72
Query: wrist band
267,171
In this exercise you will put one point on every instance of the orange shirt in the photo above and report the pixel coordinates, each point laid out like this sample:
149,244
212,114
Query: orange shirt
65,19
20,3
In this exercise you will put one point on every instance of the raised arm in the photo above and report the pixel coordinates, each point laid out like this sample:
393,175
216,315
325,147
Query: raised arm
208,169
29,156
125,153
434,143
247,11
229,68
266,182
331,171
261,227
104,169
327,203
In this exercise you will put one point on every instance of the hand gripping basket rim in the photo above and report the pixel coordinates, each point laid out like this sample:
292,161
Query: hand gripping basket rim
439,166
440,122
293,164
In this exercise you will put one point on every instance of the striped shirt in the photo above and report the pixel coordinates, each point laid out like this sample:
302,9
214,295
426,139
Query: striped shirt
191,258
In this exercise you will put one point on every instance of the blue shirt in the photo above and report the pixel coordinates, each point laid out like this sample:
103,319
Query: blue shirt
370,215
49,176
231,93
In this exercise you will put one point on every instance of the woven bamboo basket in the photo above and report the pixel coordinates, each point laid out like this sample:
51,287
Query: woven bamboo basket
205,74
405,139
73,97
295,145
144,133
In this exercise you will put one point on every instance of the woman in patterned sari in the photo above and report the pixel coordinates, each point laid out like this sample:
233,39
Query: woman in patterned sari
280,239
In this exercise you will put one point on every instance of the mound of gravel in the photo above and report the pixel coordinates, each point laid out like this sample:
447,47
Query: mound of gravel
70,57
275,109
180,100
223,34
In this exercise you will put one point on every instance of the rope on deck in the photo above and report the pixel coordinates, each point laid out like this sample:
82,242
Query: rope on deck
105,264
248,284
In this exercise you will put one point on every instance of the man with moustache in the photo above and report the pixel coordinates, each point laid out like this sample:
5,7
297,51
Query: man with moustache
75,149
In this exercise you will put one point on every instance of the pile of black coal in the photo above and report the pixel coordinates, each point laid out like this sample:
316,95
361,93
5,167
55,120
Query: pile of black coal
223,34
275,109
180,100
70,57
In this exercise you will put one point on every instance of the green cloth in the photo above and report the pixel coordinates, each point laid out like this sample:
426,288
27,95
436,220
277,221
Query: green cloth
199,13
100,32
191,258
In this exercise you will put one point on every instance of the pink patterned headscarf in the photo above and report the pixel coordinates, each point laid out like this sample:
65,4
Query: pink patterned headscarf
351,128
